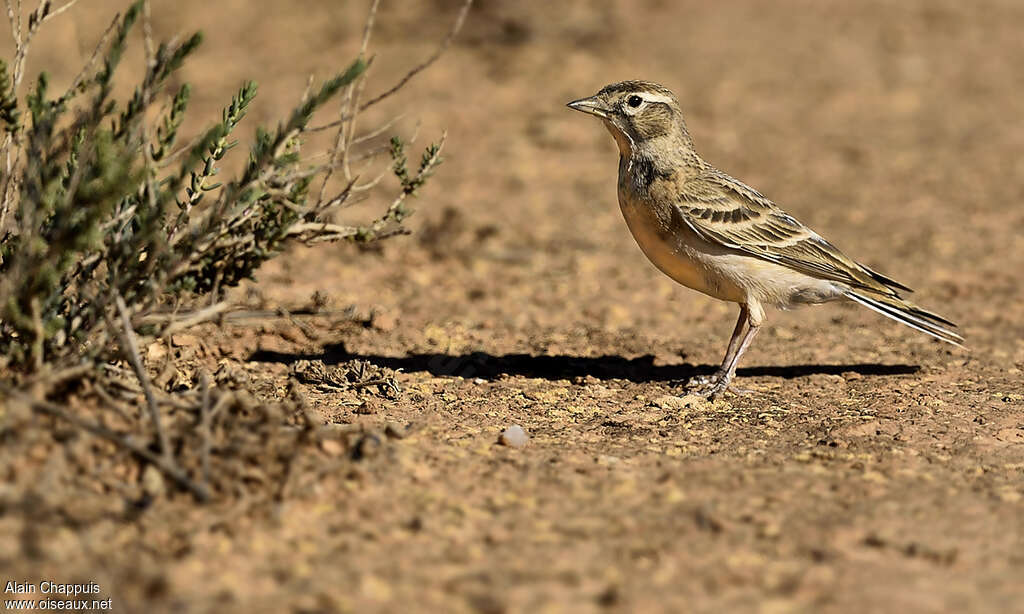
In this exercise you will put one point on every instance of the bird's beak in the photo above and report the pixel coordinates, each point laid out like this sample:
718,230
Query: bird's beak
592,105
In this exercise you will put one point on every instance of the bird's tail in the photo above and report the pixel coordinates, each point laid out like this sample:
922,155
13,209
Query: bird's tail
907,313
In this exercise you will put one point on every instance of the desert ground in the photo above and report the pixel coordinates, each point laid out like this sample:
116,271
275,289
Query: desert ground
869,468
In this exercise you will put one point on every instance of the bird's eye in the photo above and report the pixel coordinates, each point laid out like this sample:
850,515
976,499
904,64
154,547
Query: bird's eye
634,101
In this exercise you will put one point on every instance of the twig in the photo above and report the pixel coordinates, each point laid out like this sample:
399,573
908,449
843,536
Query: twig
12,138
189,320
37,18
445,42
347,133
80,77
20,47
371,16
39,337
321,229
342,140
369,156
131,348
204,428
187,147
60,10
378,131
48,381
240,314
147,35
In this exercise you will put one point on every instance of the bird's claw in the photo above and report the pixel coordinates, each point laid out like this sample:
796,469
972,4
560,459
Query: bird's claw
708,386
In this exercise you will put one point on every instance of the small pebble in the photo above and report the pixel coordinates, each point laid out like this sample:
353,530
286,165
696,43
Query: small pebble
153,482
514,437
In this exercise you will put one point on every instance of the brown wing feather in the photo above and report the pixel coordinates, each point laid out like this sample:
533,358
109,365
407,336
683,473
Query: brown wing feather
725,211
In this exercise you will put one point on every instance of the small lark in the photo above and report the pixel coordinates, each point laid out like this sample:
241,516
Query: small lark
716,235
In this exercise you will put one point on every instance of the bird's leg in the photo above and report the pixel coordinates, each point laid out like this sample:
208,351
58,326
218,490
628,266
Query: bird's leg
734,353
703,381
736,347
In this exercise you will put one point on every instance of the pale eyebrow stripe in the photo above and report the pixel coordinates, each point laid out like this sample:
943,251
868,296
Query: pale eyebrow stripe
657,98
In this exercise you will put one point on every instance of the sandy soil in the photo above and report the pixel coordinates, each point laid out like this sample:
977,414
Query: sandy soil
871,468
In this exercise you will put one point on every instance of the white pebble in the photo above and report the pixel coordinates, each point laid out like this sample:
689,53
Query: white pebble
514,437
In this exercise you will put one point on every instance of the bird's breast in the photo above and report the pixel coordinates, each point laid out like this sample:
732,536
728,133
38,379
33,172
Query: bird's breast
673,247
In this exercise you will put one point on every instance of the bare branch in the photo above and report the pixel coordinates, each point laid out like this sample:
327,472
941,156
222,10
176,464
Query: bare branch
343,138
60,10
204,428
371,17
369,185
130,347
206,314
445,42
378,131
91,62
147,35
38,17
320,229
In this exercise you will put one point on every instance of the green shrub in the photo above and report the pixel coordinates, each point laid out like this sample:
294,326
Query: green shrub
98,204
108,225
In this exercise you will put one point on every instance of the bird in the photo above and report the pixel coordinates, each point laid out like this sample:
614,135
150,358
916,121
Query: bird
712,233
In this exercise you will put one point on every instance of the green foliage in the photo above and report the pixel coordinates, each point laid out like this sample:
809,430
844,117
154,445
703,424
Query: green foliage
412,183
9,113
213,147
103,206
167,132
267,150
116,49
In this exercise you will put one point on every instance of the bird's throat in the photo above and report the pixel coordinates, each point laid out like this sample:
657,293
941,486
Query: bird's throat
623,140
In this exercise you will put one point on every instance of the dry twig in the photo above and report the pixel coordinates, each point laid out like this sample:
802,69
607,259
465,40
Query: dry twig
130,347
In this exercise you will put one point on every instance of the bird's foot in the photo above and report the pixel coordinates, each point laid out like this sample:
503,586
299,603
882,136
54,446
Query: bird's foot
708,386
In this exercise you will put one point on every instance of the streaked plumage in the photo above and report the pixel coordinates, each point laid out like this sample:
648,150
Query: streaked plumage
711,232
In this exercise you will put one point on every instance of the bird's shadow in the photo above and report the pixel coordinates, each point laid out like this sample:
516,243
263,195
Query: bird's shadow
640,369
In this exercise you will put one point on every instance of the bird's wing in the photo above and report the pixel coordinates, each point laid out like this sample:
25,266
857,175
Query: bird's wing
725,211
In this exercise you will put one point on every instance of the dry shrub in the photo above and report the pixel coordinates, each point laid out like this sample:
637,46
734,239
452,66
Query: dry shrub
114,235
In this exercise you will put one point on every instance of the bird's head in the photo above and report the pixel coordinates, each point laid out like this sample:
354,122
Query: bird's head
637,112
